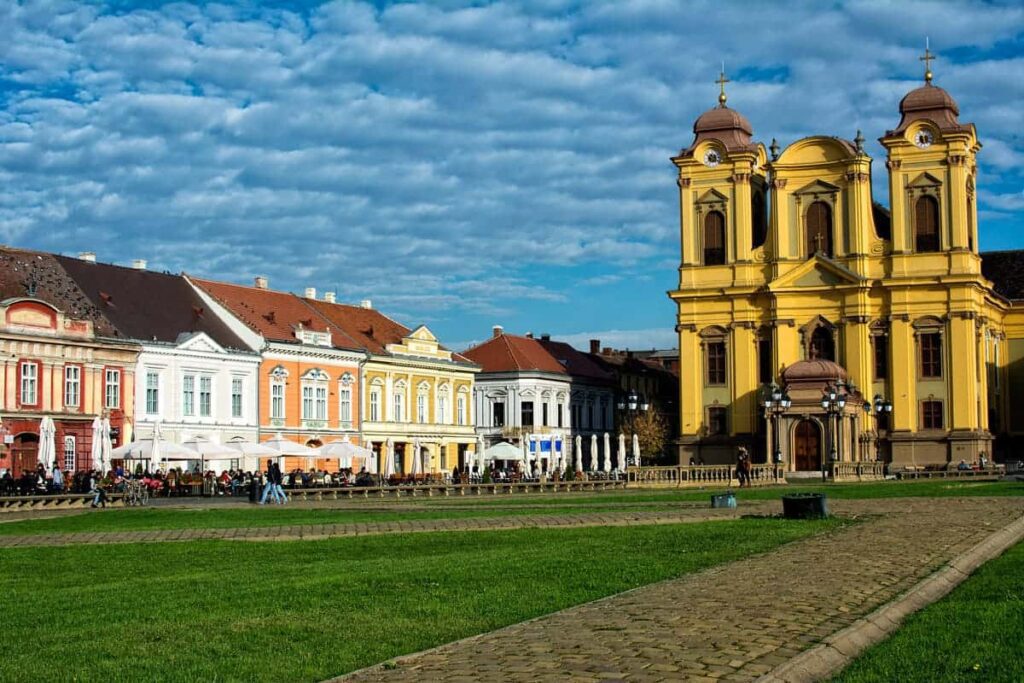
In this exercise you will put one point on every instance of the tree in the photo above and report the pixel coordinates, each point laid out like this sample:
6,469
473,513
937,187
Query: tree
651,429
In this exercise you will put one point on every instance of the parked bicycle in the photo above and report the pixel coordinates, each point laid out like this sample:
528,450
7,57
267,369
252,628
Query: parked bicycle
135,493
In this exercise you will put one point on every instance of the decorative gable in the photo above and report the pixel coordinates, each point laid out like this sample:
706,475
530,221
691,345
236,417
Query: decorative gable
420,342
199,342
817,190
817,272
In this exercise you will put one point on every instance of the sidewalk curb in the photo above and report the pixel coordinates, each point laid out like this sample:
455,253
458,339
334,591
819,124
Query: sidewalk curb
842,647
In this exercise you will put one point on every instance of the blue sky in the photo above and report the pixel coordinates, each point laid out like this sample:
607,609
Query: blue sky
461,164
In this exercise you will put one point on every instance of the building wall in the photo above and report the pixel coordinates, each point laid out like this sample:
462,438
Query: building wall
512,389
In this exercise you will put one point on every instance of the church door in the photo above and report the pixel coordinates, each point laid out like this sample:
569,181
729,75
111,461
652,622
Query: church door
807,446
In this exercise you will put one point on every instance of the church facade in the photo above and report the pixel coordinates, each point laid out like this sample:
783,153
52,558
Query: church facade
793,280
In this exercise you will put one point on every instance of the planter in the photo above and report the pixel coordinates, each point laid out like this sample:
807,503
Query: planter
723,500
805,506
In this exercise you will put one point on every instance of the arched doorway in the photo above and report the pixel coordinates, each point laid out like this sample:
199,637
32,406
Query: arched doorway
807,446
24,453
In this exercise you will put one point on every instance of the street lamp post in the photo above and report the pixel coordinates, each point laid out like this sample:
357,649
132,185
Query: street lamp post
833,401
776,402
632,404
881,406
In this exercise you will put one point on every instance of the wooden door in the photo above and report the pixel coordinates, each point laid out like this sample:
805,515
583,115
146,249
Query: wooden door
807,446
24,453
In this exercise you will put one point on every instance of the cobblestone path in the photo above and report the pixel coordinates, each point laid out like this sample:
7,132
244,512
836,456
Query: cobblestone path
553,520
734,622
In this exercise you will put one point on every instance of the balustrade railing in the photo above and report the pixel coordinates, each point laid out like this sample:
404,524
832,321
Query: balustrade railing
702,476
858,471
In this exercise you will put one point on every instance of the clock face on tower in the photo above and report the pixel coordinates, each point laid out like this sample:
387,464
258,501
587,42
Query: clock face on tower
712,158
923,139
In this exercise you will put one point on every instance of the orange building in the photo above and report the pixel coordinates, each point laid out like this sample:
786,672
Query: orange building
59,357
310,373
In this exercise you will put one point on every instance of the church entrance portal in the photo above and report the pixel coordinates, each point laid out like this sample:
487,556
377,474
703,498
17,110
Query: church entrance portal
807,446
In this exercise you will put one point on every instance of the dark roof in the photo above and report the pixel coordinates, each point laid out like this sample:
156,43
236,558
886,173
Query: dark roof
576,362
40,276
1006,271
146,305
510,353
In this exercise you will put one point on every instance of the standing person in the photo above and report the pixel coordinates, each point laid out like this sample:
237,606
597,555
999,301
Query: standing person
58,480
743,467
268,483
279,493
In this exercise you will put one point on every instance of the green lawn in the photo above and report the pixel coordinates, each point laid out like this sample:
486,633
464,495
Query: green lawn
976,633
304,611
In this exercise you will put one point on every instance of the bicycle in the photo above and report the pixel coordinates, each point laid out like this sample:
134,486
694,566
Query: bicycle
136,493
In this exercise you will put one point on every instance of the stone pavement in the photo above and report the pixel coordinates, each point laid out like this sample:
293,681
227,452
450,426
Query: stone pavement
734,622
552,520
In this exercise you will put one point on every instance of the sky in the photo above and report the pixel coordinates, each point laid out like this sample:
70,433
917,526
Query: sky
462,165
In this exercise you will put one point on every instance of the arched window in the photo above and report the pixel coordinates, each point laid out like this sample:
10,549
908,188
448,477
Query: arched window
822,344
819,229
926,224
759,220
714,239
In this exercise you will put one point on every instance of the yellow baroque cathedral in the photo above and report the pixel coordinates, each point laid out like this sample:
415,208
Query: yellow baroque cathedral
814,324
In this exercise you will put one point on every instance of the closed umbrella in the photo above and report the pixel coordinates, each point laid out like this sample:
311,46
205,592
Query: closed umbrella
579,453
96,451
417,459
108,447
593,453
156,454
388,448
636,450
621,464
47,448
607,453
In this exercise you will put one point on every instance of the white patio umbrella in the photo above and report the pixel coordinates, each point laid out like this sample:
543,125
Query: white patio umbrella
47,448
155,450
579,453
250,451
607,453
593,453
106,451
621,462
636,449
417,458
504,451
344,450
290,448
96,451
209,450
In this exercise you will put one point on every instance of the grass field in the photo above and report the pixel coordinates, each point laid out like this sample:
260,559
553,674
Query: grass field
215,610
976,633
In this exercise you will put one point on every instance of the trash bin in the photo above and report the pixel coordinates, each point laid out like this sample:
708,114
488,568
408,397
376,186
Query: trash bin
805,506
724,500
254,490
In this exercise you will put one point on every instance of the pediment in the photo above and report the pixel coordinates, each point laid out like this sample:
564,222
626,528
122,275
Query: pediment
422,333
815,273
925,180
818,187
198,341
712,196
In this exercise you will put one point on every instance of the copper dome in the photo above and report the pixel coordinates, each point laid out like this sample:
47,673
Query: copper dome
814,369
928,98
722,118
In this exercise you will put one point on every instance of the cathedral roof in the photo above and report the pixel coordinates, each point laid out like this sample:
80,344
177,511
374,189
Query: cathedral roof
814,369
932,103
725,125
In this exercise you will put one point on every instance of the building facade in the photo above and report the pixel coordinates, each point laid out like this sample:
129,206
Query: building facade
785,258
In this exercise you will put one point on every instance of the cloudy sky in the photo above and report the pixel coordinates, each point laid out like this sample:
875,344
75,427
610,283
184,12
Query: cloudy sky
461,164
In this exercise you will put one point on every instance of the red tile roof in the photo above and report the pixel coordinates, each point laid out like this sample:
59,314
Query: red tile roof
274,314
576,362
509,353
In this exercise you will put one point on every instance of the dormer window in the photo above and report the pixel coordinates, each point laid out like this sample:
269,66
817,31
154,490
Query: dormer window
312,337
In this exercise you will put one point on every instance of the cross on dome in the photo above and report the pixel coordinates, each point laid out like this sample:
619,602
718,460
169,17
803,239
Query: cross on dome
722,80
927,58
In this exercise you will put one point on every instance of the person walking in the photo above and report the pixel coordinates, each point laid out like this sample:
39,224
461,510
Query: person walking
268,484
279,494
743,468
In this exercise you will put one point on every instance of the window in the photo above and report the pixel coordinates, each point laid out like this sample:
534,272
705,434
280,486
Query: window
307,402
931,414
590,415
560,415
205,395
321,403
822,344
399,400
188,395
716,362
714,239
375,404
276,399
498,414
236,397
69,453
544,414
819,229
527,414
759,221
29,372
716,421
764,361
421,407
881,357
970,223
442,406
152,393
461,408
931,355
72,386
345,405
112,390
926,224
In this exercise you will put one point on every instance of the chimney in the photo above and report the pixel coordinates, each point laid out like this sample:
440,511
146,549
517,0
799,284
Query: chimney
89,256
595,346
497,331
139,264
529,335
262,282
329,297
545,337
366,303
607,351
310,292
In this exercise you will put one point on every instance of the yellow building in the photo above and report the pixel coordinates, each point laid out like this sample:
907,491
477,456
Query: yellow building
787,264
